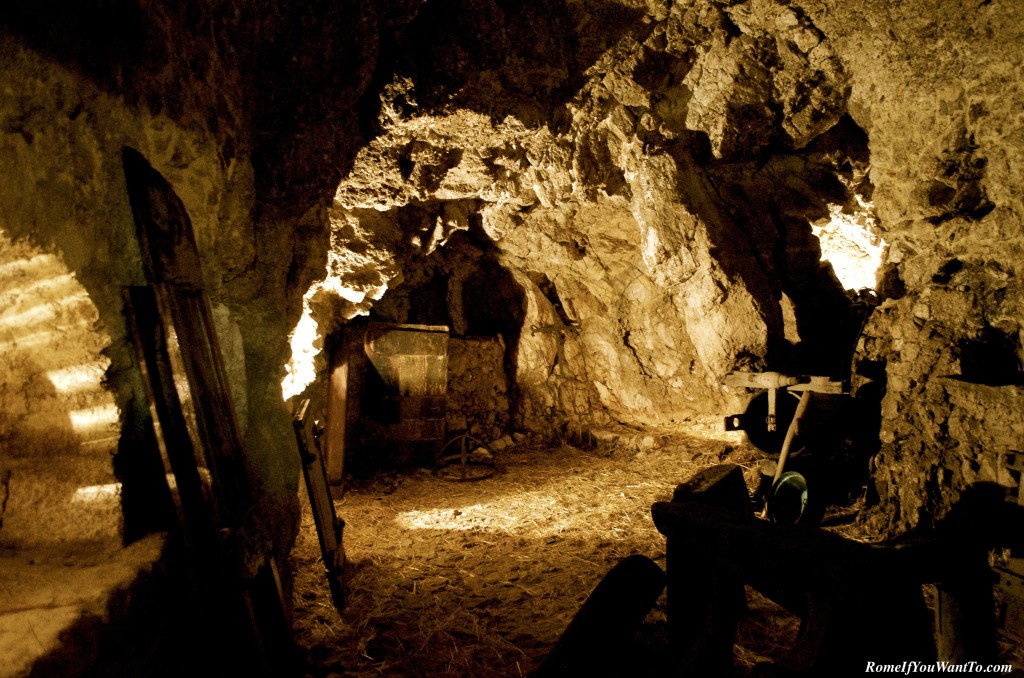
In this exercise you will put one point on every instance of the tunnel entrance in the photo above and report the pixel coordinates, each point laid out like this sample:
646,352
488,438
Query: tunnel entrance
432,360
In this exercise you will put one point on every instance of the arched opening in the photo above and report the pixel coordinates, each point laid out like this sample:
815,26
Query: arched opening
590,214
457,306
59,425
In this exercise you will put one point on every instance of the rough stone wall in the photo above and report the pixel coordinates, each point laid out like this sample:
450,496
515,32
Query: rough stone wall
641,287
58,425
938,88
237,106
477,396
662,179
64,199
645,171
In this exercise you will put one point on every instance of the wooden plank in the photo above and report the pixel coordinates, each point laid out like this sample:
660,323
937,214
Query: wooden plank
411,359
176,446
193,410
167,243
843,584
206,390
336,426
329,527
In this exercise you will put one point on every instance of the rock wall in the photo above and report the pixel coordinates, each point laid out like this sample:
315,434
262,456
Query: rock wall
640,286
58,426
478,394
641,176
654,200
935,87
238,108
65,204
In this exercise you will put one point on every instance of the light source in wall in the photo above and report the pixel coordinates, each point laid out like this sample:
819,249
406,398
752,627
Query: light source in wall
300,370
26,341
851,242
89,419
78,378
41,313
27,265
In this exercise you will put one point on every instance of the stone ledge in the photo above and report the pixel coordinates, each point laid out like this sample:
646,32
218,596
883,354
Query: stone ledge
56,601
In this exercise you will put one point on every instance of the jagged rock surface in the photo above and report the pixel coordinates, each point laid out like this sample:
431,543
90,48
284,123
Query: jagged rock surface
632,183
640,292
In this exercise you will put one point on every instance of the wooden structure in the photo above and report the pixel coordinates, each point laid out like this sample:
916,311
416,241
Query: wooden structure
329,527
857,602
238,587
387,399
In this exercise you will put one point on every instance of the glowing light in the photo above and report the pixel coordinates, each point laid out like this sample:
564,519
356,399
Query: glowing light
651,248
57,283
347,293
79,378
851,243
37,314
41,312
24,266
93,418
29,340
475,517
301,370
93,494
305,339
502,515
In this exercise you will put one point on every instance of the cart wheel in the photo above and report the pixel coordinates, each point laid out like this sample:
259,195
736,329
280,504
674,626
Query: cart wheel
463,465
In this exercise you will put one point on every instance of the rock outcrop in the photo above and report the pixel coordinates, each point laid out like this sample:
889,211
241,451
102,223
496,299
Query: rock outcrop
625,192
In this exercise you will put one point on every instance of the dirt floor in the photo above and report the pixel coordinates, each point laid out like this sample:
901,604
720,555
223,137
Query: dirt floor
475,579
481,578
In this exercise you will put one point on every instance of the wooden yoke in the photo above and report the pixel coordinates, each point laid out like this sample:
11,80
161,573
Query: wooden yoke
858,602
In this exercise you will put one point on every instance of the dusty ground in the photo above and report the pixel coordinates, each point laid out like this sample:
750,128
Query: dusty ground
480,578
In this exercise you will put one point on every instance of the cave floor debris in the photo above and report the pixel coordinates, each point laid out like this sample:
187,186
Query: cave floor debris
481,578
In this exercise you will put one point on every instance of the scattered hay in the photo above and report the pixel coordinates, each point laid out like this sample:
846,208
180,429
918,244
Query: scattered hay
480,579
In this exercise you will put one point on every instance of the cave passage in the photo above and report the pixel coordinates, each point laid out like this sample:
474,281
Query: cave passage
588,249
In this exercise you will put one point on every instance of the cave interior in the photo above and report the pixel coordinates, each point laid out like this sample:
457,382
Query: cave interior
604,258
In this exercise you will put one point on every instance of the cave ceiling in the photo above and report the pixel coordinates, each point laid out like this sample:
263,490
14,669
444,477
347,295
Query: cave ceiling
655,179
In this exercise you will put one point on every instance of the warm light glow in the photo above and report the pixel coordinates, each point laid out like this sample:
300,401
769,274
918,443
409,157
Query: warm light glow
306,341
484,517
852,244
53,350
40,313
23,341
301,370
505,515
28,265
92,494
79,378
55,284
93,418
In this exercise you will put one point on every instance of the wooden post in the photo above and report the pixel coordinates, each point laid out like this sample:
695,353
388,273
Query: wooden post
705,600
597,640
337,415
